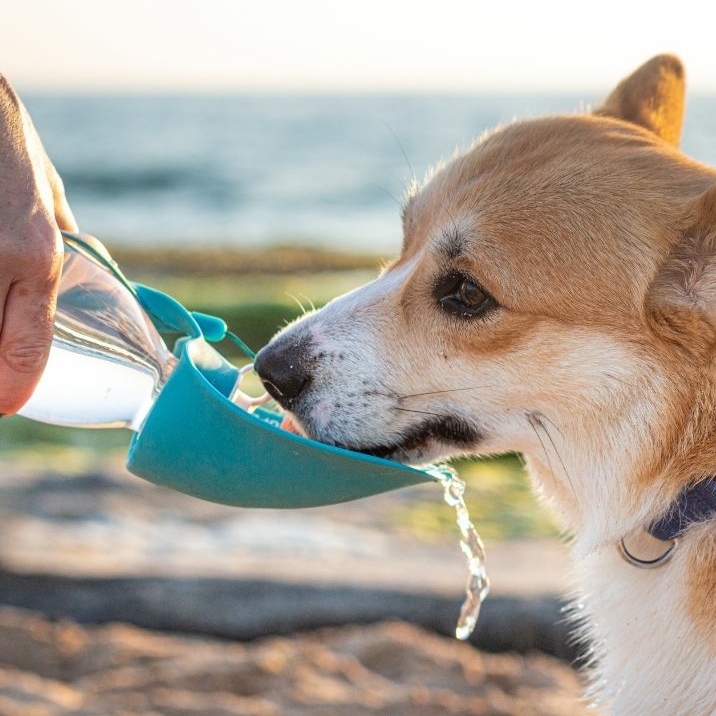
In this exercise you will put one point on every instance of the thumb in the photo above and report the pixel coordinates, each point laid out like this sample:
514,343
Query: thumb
26,330
63,214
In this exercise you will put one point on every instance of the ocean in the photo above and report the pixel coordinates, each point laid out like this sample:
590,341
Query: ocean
248,171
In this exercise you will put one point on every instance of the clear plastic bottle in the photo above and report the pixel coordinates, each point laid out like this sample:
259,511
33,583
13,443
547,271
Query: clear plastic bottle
107,362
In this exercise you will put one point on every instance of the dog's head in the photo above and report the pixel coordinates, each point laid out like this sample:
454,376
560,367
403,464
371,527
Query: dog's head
555,296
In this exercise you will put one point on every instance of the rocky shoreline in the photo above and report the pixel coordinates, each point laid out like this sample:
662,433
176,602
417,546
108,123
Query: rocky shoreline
244,610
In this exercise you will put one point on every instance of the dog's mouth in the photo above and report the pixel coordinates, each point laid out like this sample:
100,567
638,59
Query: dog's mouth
431,439
427,441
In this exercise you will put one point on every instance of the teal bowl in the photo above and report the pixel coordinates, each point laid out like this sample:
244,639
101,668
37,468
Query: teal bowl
196,440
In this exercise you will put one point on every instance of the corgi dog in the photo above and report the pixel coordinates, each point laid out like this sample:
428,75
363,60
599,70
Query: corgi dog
556,296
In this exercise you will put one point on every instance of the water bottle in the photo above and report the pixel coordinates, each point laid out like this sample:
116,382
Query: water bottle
107,361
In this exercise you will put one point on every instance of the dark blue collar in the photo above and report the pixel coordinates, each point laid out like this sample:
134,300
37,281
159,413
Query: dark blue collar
694,504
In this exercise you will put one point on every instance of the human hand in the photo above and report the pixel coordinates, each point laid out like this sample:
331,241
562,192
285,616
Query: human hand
33,210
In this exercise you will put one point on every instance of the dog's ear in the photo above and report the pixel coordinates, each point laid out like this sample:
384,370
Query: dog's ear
652,97
683,294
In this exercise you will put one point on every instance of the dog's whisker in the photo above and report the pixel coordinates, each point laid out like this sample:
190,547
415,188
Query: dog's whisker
413,177
310,301
420,412
389,194
530,420
535,421
304,311
445,390
382,394
542,417
561,461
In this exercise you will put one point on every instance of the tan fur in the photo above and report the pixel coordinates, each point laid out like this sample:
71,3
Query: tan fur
596,238
652,97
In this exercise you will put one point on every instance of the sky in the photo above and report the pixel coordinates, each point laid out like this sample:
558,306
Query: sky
346,45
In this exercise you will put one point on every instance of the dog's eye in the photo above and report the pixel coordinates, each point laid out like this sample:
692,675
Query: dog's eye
463,296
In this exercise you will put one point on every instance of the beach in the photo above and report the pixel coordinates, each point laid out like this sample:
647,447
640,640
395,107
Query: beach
121,597
389,668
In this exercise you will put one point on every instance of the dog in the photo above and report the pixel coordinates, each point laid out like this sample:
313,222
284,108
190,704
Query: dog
555,296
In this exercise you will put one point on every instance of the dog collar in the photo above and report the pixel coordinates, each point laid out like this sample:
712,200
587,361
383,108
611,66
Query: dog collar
693,505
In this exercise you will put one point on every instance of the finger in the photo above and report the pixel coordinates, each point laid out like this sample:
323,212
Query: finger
63,215
26,329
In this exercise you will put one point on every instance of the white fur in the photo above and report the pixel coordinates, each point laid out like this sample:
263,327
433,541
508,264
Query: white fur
646,646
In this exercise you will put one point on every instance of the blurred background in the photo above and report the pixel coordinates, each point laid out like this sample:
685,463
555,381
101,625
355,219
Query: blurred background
251,159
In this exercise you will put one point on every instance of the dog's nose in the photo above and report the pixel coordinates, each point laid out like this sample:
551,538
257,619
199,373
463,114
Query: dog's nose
281,365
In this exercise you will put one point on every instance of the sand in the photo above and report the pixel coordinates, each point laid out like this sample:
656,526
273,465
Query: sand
390,669
88,531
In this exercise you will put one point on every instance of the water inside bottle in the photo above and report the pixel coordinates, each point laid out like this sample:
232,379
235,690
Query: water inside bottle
86,389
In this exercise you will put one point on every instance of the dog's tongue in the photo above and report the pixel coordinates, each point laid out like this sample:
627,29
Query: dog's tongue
289,426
